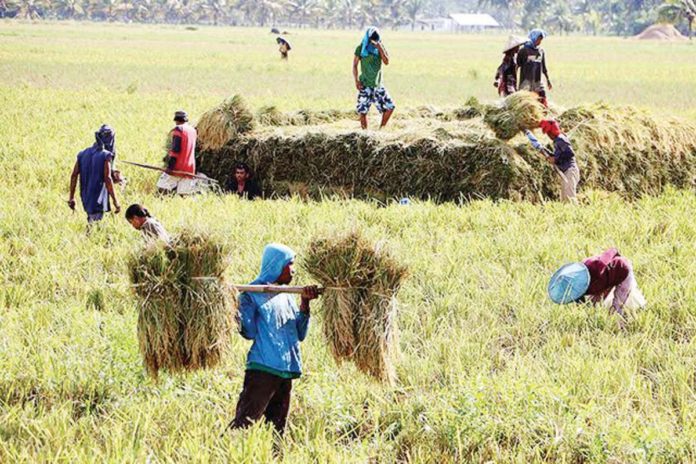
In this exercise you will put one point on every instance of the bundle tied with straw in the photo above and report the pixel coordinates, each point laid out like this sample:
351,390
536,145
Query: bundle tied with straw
359,304
224,123
185,312
519,112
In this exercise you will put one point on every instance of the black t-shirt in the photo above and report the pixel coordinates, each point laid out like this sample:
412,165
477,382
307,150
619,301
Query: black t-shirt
251,189
532,64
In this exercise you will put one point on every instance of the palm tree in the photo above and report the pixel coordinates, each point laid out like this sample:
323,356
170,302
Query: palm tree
31,9
678,10
303,9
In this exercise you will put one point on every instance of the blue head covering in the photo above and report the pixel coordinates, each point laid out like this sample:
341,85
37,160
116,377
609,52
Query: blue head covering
106,139
275,258
367,47
534,35
569,283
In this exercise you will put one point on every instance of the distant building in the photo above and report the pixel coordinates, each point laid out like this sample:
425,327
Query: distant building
472,22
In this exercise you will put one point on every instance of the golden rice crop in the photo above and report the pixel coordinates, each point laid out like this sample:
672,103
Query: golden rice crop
224,123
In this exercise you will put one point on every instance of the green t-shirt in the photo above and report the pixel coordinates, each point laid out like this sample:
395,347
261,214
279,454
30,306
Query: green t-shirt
370,69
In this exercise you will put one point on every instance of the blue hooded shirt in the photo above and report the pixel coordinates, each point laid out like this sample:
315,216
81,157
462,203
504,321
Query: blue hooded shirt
95,198
273,320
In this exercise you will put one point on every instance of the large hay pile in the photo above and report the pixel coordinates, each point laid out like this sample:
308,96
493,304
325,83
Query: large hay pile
224,123
519,112
185,312
359,303
662,32
452,155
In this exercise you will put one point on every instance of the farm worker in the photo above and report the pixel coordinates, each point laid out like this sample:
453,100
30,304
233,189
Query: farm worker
277,326
243,183
181,158
139,217
531,60
562,158
506,75
94,170
283,47
605,278
370,55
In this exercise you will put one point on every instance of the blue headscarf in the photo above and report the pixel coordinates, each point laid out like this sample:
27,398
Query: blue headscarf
534,35
367,47
106,139
275,258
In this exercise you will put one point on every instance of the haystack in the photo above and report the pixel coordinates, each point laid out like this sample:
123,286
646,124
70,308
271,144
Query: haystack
662,32
519,112
359,303
224,123
185,312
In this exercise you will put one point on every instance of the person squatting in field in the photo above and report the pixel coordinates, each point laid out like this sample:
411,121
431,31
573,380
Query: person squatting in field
562,158
93,168
276,326
139,217
607,278
370,55
283,47
243,183
181,158
506,74
531,60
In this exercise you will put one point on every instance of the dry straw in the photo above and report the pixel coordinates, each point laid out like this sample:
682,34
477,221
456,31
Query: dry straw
359,304
224,123
519,112
184,322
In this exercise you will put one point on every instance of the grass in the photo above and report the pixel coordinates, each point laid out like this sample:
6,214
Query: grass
489,369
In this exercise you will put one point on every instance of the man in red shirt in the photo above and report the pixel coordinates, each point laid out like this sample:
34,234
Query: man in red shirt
181,158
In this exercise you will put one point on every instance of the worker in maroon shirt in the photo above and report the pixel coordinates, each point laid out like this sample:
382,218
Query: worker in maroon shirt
181,158
594,279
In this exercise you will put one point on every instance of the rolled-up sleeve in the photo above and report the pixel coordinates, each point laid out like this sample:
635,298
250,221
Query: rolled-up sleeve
247,314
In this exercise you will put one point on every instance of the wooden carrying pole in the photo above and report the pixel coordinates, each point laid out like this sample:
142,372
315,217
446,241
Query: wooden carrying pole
271,289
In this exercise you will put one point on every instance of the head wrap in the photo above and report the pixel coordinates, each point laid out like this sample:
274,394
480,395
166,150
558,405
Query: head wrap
534,35
367,47
106,139
550,127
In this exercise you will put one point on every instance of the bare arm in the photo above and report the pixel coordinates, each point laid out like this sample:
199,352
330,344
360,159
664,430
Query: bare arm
110,186
546,71
356,60
382,53
73,185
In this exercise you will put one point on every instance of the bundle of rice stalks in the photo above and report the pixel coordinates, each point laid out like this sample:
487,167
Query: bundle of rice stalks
519,112
184,310
224,123
359,303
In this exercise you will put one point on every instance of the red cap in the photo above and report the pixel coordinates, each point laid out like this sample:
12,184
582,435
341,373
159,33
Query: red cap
550,127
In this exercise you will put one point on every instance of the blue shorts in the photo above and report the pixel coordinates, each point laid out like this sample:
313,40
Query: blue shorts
379,96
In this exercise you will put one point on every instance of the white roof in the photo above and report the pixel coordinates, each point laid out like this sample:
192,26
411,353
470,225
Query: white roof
481,20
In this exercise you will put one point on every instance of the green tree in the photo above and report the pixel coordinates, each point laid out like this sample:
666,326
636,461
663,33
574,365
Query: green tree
413,9
676,11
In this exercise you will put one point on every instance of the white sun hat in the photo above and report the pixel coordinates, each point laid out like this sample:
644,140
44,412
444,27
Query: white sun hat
513,41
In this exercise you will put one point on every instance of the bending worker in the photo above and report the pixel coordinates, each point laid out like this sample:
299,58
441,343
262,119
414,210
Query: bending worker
139,217
181,158
277,326
595,279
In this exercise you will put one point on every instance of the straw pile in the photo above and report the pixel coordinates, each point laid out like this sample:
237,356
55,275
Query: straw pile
184,310
359,303
519,112
224,123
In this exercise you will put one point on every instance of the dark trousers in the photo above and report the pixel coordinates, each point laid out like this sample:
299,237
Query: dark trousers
263,395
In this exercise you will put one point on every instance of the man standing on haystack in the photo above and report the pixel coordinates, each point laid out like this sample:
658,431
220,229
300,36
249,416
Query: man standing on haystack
277,326
531,60
370,55
181,158
94,170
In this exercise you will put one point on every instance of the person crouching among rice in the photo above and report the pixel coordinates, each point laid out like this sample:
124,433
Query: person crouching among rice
181,158
606,278
562,158
370,55
141,220
277,326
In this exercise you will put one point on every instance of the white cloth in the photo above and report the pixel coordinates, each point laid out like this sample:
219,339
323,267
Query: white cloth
182,185
626,295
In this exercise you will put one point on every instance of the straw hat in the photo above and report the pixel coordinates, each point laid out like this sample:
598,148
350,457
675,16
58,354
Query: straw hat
513,41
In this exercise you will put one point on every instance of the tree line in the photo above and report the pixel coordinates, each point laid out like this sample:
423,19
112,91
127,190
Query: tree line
620,17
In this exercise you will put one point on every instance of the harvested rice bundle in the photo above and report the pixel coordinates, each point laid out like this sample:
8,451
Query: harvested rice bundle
359,305
519,112
271,116
224,123
185,310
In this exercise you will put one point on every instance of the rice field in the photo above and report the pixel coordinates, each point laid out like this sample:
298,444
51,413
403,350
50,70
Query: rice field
488,370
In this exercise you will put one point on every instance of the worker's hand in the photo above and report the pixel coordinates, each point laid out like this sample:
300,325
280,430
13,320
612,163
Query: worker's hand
551,160
71,204
550,85
358,85
495,84
117,208
168,172
310,292
537,146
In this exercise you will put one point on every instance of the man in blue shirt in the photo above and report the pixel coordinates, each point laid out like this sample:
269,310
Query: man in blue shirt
277,326
93,169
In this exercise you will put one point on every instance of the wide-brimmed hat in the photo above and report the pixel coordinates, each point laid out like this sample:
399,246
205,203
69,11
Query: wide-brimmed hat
512,42
569,283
